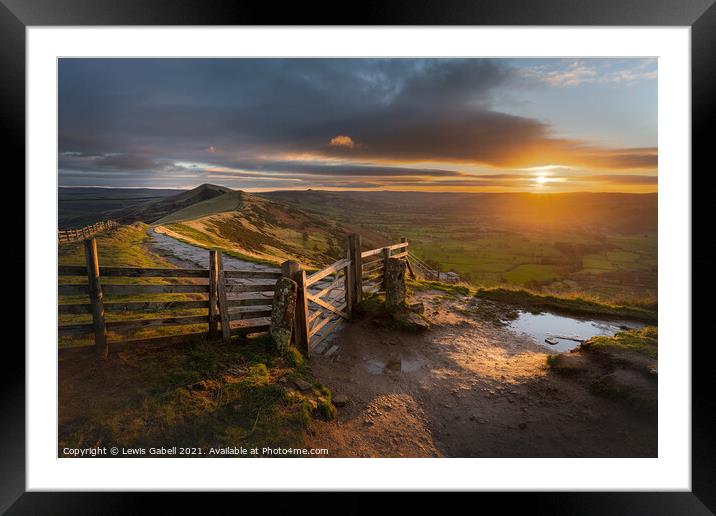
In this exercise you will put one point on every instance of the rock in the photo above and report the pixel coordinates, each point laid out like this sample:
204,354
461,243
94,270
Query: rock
522,426
411,320
394,281
302,385
282,379
282,313
418,308
340,400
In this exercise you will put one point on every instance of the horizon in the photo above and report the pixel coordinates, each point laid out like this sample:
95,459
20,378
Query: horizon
441,125
327,190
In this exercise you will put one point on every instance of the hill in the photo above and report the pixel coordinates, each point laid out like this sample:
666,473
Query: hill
257,228
154,210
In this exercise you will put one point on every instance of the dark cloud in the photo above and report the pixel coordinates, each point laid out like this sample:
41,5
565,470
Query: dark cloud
155,115
337,169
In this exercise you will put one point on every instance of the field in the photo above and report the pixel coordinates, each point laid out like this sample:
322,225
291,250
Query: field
609,253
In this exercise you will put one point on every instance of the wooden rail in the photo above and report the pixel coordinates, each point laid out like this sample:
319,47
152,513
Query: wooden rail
219,309
426,272
75,235
233,302
373,269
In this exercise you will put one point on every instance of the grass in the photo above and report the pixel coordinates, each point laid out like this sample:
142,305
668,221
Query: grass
203,395
523,274
126,246
230,201
449,288
575,305
258,230
643,341
193,236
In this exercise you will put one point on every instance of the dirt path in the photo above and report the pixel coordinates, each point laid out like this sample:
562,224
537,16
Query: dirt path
464,389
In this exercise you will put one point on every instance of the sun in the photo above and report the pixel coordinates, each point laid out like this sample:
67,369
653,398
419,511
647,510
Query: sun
541,180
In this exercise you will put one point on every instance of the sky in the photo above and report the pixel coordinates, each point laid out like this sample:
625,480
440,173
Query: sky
488,125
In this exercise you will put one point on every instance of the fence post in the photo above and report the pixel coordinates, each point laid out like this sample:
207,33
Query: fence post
354,246
301,338
213,282
96,301
385,253
221,295
348,283
404,240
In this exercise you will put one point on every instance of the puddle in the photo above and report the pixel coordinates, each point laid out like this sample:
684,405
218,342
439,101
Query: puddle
566,332
394,366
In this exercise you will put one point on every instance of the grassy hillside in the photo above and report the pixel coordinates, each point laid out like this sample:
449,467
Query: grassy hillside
258,229
208,395
154,210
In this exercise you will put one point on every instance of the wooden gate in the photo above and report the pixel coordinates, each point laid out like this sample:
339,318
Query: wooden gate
327,298
327,301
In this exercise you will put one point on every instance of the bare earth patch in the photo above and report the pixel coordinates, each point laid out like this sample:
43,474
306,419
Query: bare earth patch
466,388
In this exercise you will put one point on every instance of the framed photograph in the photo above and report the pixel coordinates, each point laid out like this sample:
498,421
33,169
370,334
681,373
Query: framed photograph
445,248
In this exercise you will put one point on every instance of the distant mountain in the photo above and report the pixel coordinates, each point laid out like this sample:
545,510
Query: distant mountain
154,210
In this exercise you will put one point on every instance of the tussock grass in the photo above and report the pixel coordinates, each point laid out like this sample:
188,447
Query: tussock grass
644,341
449,288
573,304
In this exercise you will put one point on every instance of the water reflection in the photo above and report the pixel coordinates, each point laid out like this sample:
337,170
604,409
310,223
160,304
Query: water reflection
560,333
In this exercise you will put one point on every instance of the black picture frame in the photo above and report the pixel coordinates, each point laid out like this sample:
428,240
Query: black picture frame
700,15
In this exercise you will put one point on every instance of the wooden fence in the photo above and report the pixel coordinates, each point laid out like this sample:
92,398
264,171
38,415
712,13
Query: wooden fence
74,235
222,302
426,272
228,301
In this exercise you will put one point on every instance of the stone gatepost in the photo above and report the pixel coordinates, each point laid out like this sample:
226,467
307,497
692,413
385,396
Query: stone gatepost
394,282
282,313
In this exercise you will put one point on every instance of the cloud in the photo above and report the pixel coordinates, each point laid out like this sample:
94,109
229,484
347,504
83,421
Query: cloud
357,117
625,179
342,141
601,71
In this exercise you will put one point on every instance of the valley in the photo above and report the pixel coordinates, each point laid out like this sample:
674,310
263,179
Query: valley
600,246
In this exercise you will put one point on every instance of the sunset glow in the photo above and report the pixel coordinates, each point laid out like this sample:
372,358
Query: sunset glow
483,125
